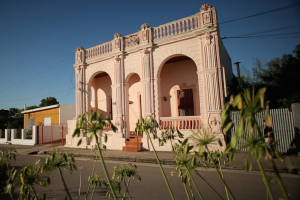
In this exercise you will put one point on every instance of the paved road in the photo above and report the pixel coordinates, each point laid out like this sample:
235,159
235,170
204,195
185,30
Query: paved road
244,185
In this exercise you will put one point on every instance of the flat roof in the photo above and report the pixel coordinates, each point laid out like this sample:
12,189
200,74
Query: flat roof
42,108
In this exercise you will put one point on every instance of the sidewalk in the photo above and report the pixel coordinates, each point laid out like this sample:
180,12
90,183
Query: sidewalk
291,164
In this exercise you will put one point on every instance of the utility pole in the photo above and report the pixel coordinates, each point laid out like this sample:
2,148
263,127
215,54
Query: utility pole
238,69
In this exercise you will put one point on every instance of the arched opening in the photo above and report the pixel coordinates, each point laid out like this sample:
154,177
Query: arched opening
133,101
100,95
178,88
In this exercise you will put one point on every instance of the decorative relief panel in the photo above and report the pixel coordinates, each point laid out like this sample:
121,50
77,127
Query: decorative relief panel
144,28
214,122
132,40
117,40
212,86
79,54
205,7
210,57
206,17
206,14
208,38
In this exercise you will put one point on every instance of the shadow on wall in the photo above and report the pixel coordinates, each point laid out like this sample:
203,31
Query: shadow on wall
295,144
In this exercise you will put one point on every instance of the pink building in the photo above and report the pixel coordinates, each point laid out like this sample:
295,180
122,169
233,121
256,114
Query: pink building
178,72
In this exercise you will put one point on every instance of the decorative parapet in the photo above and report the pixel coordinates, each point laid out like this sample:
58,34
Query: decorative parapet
204,19
132,40
208,16
176,27
98,50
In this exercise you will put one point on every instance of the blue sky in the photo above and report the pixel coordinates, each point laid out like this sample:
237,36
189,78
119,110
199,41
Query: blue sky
38,39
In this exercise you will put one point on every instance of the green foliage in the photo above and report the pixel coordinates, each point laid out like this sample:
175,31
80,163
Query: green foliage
16,124
249,104
170,134
30,176
204,139
279,75
48,101
25,181
6,155
94,181
3,175
58,161
3,122
148,126
13,111
123,174
93,125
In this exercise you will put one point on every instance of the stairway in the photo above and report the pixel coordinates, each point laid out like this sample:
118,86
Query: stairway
133,144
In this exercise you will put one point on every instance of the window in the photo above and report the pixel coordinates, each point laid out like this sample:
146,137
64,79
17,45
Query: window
185,102
47,121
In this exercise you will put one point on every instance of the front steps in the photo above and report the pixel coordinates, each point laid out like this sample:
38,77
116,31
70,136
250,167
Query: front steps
133,144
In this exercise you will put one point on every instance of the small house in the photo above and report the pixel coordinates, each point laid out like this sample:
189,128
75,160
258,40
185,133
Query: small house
49,115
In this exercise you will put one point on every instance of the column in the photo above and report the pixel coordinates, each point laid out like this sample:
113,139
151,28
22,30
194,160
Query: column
118,86
146,71
79,80
78,91
212,74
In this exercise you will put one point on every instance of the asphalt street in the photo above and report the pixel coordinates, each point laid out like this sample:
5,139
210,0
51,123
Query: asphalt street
152,186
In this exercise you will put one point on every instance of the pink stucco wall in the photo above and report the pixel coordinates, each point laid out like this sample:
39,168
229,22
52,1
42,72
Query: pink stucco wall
136,67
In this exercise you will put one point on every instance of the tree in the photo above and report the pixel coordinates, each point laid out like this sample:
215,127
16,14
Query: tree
3,122
279,76
15,124
48,101
13,111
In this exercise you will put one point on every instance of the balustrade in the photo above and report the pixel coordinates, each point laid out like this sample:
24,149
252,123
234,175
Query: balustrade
98,50
192,122
107,126
176,27
172,28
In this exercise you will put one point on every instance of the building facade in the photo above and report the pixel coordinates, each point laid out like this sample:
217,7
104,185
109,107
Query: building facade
178,72
49,115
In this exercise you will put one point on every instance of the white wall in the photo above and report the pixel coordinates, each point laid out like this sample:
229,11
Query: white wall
24,141
66,112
